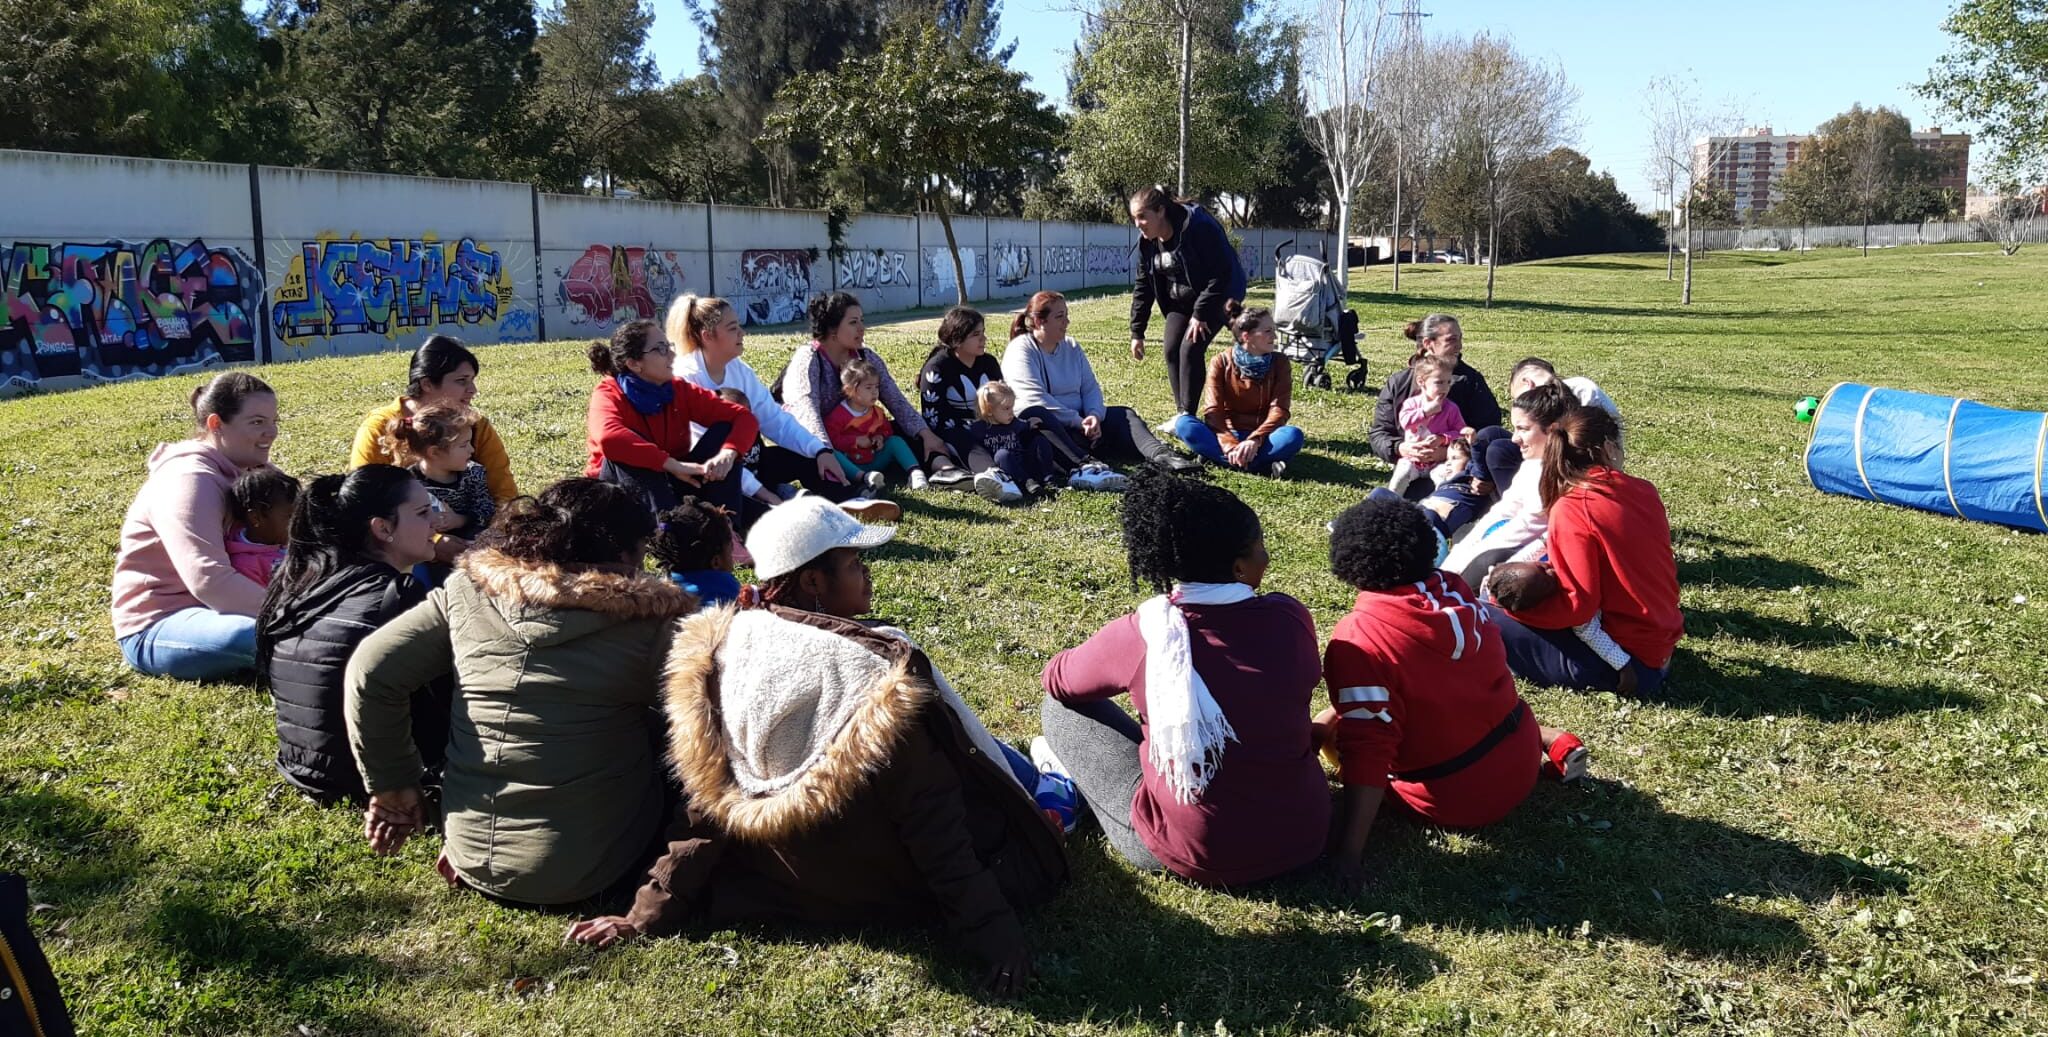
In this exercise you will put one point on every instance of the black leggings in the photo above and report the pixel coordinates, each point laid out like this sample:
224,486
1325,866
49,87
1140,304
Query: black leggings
1124,438
1187,362
664,491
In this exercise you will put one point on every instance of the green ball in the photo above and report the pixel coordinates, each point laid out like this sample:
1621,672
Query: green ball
1805,409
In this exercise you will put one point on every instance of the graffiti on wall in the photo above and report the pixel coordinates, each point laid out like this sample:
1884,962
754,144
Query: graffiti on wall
1109,259
938,265
613,284
1011,262
1064,259
875,268
389,286
773,284
123,309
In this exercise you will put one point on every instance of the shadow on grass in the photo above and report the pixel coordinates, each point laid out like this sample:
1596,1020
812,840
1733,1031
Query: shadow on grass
1450,304
73,851
927,506
1745,687
1755,571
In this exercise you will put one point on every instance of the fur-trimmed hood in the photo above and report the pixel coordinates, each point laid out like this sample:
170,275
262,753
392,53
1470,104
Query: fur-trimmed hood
777,718
544,602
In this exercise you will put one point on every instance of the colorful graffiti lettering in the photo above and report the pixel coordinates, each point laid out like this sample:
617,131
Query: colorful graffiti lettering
938,262
875,268
1012,261
613,284
1109,259
388,286
772,284
1063,259
119,309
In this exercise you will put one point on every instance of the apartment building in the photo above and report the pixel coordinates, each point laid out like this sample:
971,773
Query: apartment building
1751,165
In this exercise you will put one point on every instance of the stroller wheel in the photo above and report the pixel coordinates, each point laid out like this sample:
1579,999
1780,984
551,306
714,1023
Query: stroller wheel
1357,381
1316,378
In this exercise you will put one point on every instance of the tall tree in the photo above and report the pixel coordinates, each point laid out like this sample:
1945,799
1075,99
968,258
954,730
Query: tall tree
1996,75
1580,212
1862,167
1679,120
672,146
1342,99
406,86
923,111
1506,111
594,73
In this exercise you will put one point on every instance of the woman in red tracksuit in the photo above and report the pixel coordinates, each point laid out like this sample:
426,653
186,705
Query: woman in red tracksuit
640,420
1610,545
1423,703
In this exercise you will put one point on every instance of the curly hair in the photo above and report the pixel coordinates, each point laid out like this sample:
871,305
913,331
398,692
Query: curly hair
574,522
692,535
827,311
260,488
1381,543
1181,530
408,437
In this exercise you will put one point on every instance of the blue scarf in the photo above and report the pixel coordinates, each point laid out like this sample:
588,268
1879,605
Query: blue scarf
1252,367
645,396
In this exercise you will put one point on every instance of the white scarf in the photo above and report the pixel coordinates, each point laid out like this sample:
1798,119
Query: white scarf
1187,727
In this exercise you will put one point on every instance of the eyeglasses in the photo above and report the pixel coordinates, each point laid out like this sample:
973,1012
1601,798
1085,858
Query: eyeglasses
662,350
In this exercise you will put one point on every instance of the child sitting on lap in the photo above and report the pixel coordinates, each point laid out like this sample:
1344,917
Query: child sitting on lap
860,431
436,442
1428,417
693,543
263,499
1522,585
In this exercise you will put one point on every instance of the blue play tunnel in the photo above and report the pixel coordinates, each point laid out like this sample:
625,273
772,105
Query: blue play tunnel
1935,453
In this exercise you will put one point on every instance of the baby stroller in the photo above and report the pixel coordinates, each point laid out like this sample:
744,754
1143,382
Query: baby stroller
1314,326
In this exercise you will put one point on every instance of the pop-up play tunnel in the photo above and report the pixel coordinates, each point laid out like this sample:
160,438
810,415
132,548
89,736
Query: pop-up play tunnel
1936,453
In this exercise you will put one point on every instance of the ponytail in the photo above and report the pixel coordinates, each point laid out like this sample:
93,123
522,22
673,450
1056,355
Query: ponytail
1039,307
224,394
1579,442
407,437
331,528
690,316
629,342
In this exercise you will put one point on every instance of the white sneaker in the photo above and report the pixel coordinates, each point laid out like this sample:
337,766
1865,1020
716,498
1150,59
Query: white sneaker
1098,478
919,480
994,486
1044,759
1165,428
874,481
1277,469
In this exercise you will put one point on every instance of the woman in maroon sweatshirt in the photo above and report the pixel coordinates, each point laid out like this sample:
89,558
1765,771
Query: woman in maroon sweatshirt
1610,545
639,424
1217,781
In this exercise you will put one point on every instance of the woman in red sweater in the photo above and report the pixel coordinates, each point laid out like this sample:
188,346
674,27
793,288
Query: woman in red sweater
1217,781
1610,546
1423,703
640,418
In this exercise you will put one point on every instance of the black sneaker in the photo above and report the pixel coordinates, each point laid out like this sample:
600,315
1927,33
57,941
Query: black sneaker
1177,463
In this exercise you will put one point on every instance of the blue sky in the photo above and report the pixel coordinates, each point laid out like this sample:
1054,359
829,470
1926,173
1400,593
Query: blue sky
1791,63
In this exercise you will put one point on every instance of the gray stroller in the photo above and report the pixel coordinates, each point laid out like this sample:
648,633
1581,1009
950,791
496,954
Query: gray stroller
1315,329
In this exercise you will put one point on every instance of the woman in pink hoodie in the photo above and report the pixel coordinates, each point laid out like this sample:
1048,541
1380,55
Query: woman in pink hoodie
180,608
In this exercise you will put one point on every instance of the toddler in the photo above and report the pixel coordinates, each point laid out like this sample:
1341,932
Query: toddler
262,499
693,543
1521,585
436,442
1428,417
860,432
1024,458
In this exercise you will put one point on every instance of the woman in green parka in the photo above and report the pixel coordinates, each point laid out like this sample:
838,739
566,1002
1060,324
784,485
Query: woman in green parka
555,637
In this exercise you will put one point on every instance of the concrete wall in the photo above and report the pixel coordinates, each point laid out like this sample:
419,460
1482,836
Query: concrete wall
1882,235
606,261
114,268
357,263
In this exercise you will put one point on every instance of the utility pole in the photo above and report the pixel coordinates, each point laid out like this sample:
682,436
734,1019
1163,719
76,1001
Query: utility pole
1410,33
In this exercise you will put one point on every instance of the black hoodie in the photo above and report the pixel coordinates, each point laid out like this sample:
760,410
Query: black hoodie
302,653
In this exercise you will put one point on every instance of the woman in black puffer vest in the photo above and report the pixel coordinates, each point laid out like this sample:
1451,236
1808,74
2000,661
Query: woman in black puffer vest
354,539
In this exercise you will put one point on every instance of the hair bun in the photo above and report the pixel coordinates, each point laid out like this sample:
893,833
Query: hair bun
1412,329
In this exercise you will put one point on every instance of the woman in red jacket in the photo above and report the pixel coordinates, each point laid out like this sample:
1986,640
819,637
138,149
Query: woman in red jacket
1610,546
640,418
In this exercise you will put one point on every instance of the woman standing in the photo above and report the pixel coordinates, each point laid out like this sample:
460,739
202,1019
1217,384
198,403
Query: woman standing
1186,265
1249,399
1437,335
1054,384
555,637
442,371
1610,546
180,608
640,422
353,540
1217,781
811,387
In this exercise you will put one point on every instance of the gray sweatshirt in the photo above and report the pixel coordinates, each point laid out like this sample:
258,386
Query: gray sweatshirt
1060,381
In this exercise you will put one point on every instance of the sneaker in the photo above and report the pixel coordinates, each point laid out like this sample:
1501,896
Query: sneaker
951,477
1176,462
874,481
1097,477
1044,758
1164,429
994,487
918,480
870,510
1567,757
1277,470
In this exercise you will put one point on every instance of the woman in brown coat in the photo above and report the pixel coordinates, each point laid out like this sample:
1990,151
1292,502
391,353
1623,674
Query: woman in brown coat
1250,394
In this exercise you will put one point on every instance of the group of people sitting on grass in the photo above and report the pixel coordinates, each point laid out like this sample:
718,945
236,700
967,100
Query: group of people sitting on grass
671,748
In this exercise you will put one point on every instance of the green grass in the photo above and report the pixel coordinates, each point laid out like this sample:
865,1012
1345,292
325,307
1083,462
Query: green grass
1833,825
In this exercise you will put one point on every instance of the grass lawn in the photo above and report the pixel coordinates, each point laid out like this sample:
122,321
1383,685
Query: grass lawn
1833,824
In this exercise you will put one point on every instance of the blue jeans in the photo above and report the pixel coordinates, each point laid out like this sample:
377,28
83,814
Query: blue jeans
1282,445
194,645
1561,659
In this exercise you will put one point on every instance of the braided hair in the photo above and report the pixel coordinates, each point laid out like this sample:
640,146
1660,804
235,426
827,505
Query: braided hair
1181,530
692,535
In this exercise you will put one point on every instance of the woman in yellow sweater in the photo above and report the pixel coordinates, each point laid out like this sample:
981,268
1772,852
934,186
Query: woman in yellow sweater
443,371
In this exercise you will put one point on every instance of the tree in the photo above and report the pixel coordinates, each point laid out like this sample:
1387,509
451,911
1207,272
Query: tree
1996,75
406,86
1861,167
1341,97
2010,217
594,73
1505,112
923,111
1706,207
1679,122
1580,212
673,131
